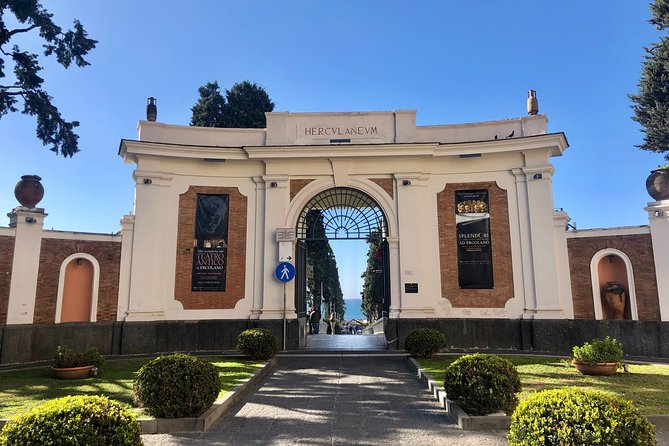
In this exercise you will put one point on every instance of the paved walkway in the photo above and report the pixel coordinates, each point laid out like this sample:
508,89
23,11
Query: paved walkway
339,400
346,343
336,400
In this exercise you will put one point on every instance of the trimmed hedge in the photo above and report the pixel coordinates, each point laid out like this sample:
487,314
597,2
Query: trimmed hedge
482,384
176,386
578,417
258,343
424,342
73,420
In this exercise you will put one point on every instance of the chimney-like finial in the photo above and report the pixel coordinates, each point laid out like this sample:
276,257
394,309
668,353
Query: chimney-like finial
151,109
532,103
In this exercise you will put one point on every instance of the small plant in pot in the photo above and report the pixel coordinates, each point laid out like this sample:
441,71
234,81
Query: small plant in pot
598,357
71,364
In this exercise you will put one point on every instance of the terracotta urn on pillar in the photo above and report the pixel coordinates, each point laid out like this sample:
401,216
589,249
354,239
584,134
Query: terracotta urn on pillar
614,295
29,191
657,184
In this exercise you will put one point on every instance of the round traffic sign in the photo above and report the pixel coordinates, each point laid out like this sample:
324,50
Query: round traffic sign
284,272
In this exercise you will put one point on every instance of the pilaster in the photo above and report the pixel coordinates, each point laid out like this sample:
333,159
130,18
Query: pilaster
28,224
658,216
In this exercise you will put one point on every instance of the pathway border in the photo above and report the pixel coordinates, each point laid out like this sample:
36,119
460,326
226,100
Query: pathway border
487,422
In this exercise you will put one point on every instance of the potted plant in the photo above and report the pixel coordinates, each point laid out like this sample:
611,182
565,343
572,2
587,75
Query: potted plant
657,183
70,364
598,357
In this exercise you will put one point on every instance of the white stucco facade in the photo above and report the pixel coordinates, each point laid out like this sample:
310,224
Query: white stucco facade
349,150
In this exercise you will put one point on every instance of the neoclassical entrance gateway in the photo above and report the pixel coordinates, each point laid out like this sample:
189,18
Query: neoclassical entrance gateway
340,213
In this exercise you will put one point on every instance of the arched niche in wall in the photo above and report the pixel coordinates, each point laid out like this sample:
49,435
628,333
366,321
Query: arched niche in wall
78,289
609,268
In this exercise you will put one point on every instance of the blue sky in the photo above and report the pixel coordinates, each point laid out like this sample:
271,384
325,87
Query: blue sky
452,61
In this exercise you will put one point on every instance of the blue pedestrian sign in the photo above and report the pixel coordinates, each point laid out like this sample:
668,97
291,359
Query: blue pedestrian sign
284,272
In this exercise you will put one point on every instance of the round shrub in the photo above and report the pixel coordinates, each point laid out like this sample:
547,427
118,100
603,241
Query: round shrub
176,386
258,343
578,417
482,384
73,420
424,342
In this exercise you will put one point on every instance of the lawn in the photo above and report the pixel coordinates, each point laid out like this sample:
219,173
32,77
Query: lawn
645,385
22,389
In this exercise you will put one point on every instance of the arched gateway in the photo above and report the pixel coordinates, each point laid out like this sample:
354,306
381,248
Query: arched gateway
339,213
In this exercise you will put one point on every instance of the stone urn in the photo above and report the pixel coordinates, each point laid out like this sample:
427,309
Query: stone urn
614,295
29,191
657,184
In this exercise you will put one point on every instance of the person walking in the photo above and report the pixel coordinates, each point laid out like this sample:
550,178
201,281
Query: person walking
333,322
314,321
309,319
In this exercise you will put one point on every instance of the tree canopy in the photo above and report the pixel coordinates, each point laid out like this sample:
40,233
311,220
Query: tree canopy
372,286
26,85
324,265
651,104
243,106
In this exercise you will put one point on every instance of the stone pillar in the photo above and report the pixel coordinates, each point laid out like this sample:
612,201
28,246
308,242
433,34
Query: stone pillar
539,250
276,205
28,224
151,247
413,262
127,234
658,215
560,221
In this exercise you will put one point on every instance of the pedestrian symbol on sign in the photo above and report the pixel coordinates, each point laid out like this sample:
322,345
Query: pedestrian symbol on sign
285,272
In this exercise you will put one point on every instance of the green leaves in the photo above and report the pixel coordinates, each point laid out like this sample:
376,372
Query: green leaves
243,106
482,384
599,350
424,342
258,343
69,46
578,417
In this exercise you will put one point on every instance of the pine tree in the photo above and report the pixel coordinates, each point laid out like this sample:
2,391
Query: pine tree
26,85
372,286
243,106
651,104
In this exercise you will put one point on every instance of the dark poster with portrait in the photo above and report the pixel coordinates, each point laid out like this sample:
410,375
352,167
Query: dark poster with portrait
210,247
472,220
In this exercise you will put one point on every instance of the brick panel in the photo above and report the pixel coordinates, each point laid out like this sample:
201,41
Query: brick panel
236,261
53,253
501,249
386,184
638,248
297,185
6,259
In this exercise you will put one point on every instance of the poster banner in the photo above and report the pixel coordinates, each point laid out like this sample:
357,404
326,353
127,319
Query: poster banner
472,220
210,246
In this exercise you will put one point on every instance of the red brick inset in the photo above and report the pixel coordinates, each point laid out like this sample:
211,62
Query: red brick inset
297,185
501,249
639,249
6,260
236,261
53,254
386,184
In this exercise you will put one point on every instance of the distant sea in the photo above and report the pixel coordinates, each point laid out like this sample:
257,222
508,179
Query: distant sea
353,310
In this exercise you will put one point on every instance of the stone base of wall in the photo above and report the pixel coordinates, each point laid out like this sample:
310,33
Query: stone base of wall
639,338
38,342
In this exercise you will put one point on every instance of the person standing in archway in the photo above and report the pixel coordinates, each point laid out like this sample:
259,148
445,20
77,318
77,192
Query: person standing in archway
333,322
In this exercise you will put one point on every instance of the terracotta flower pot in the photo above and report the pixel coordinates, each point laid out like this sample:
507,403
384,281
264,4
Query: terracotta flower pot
657,184
601,368
73,372
29,191
615,299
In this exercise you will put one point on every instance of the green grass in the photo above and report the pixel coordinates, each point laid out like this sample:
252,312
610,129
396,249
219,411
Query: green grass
647,386
23,389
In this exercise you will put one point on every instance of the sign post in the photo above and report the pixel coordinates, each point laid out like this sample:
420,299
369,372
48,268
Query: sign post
284,272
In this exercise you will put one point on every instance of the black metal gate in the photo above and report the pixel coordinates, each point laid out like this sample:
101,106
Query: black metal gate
301,278
385,252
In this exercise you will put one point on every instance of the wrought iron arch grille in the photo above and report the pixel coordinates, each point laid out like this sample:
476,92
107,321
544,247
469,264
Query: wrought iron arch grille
341,213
